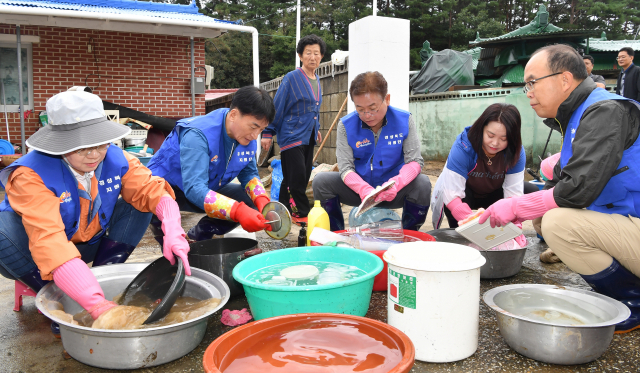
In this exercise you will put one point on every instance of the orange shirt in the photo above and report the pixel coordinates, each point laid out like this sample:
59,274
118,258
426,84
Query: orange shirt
40,211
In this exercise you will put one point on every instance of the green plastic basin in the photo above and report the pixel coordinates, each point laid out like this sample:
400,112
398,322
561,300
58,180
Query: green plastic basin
349,297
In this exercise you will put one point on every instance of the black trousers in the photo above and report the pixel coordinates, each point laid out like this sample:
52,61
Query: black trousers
475,203
297,163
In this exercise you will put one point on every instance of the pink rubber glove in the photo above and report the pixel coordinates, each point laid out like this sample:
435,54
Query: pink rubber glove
175,243
407,173
355,182
526,207
546,167
77,281
459,209
521,239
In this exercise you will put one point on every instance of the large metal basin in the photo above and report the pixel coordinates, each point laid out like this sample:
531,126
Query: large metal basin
500,264
568,339
132,349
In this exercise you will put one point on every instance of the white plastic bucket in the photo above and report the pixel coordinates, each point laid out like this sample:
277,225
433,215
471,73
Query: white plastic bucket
433,296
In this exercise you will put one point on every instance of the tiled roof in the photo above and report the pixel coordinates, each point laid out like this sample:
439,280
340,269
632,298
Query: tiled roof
127,7
597,45
514,75
539,28
582,33
485,82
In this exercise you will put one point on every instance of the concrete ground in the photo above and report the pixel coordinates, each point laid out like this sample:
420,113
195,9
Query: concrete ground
27,345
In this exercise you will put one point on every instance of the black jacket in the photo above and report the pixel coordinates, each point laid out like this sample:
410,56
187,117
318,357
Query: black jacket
606,129
631,83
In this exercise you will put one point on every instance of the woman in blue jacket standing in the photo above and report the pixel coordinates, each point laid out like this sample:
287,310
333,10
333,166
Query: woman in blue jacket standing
297,125
485,164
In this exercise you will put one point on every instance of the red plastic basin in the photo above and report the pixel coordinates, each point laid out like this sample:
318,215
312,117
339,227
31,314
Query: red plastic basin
311,342
380,281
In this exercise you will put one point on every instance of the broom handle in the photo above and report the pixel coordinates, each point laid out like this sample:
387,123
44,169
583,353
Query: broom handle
330,129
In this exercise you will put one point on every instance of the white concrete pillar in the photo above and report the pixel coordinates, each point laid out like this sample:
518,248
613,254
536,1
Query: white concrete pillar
381,44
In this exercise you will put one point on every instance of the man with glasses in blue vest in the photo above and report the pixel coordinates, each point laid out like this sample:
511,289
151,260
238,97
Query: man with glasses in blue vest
590,208
377,143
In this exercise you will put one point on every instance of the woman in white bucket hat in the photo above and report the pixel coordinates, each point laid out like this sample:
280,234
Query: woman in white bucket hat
63,209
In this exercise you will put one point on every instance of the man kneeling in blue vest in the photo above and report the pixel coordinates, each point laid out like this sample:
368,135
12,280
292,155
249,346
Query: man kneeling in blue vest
376,143
590,208
201,157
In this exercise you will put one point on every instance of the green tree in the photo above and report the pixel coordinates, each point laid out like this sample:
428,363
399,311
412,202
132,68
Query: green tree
445,23
232,69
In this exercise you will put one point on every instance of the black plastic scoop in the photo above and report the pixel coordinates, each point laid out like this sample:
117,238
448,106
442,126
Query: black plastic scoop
158,281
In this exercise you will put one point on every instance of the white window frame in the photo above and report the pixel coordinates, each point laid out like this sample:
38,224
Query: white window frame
27,106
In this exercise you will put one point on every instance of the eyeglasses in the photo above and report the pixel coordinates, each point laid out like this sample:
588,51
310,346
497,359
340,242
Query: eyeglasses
371,113
528,86
86,151
621,58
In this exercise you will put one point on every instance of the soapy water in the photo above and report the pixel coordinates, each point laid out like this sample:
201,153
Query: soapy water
550,308
305,274
553,316
132,315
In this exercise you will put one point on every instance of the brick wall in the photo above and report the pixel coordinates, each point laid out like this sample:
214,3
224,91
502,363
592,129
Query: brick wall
146,72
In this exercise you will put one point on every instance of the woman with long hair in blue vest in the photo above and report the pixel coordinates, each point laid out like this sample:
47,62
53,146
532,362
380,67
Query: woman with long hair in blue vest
485,164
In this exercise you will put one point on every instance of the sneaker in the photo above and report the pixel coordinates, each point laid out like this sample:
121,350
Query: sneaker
549,257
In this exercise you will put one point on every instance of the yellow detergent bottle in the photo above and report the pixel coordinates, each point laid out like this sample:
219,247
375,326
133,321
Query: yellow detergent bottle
317,218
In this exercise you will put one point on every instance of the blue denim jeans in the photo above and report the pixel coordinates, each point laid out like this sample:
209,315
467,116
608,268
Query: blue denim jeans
127,225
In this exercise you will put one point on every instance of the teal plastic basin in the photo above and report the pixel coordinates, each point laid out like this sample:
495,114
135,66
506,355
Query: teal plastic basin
349,297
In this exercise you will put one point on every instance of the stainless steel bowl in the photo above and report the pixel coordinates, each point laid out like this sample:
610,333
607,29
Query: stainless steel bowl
555,324
500,264
132,349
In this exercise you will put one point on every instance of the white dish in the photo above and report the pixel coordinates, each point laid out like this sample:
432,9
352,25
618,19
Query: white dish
300,272
485,236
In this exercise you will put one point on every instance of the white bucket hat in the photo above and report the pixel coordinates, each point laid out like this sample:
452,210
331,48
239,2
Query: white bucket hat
76,120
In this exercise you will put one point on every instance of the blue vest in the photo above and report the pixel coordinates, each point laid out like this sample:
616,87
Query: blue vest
166,162
57,177
621,195
377,163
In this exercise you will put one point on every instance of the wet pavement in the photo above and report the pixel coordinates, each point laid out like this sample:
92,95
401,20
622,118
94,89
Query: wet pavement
27,344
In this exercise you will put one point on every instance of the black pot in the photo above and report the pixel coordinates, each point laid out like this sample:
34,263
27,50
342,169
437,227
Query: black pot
220,255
